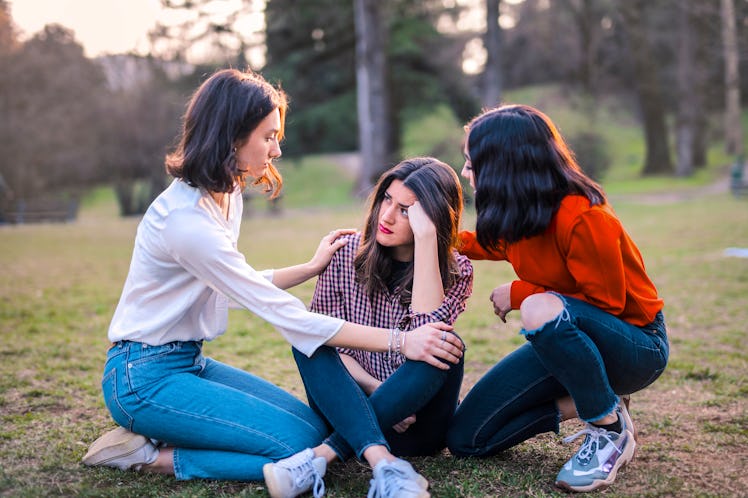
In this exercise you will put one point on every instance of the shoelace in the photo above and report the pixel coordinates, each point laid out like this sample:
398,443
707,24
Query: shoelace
392,480
302,472
592,442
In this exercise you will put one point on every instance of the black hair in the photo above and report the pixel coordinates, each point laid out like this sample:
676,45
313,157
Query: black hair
522,169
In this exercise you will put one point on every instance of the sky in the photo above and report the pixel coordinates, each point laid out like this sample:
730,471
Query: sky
101,26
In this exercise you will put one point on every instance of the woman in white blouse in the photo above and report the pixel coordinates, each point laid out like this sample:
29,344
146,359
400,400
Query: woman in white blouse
179,412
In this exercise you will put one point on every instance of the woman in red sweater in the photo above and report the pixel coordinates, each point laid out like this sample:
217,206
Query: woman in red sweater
591,316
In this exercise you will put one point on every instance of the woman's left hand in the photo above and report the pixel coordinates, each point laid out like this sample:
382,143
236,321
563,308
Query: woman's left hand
434,344
403,425
329,244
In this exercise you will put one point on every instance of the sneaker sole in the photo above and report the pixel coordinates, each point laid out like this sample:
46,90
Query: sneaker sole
270,481
626,457
114,444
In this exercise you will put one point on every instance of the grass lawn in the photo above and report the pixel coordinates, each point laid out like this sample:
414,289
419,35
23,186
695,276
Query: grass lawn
59,285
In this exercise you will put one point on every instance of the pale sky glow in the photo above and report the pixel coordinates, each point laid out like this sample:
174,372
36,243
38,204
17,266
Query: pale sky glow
121,26
101,26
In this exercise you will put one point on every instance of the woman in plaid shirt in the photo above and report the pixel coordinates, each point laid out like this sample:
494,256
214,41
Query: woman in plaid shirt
401,273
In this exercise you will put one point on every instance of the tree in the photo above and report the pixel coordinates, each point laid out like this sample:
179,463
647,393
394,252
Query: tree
143,110
311,53
203,33
685,122
647,82
733,127
372,91
50,96
492,42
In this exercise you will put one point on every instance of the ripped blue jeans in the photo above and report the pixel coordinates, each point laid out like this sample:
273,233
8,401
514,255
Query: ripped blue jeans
585,353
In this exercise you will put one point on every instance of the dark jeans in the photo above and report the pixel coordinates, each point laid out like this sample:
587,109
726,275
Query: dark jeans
358,421
585,352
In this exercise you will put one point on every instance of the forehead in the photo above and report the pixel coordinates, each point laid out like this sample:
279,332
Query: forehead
270,122
400,193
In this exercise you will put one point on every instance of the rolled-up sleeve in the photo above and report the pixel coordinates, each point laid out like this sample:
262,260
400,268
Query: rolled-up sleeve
455,298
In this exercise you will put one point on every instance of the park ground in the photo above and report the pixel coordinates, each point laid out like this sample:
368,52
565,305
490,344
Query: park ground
60,282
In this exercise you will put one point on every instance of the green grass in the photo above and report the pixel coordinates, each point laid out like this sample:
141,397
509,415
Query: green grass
60,284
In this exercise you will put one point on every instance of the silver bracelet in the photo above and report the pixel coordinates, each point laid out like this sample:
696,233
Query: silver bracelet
389,346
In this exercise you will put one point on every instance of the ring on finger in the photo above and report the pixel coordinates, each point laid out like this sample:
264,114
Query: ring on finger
444,335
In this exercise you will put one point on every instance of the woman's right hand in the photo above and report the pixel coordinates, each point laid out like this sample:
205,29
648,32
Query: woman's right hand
501,300
434,344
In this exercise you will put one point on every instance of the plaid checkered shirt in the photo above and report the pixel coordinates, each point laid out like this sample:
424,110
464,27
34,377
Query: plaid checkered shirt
338,294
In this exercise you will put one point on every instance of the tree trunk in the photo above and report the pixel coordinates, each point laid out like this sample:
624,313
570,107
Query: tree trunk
648,88
492,70
733,126
372,92
684,135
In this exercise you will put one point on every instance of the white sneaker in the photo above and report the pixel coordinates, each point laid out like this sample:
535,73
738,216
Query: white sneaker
295,475
397,479
408,469
121,449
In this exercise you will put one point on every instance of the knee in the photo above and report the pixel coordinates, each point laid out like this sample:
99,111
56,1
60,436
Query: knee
538,309
457,444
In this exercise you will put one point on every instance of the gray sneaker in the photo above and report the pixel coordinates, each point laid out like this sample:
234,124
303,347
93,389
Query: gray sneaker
598,460
121,449
295,475
397,479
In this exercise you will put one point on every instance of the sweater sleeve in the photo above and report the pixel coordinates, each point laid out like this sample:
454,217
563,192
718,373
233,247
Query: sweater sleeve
205,251
595,260
470,247
520,290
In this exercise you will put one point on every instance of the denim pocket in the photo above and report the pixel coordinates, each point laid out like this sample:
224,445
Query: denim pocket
112,401
149,364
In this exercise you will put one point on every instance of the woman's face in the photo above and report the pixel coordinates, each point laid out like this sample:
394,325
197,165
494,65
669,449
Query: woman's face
394,227
261,147
467,168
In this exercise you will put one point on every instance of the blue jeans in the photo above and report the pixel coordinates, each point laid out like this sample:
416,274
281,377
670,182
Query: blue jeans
223,423
585,352
359,421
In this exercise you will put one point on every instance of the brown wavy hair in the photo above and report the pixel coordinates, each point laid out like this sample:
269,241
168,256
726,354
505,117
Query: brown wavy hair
438,189
220,116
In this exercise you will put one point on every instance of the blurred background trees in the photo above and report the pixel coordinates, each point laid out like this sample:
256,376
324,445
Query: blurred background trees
360,72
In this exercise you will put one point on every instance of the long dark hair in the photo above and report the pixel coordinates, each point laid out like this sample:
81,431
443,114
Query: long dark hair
221,115
437,188
522,169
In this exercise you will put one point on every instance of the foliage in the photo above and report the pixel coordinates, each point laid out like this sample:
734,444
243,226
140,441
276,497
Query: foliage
311,51
46,134
143,110
591,153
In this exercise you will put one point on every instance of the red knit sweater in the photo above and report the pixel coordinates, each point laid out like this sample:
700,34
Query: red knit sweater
585,253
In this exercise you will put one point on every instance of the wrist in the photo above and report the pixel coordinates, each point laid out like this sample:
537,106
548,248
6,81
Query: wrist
313,269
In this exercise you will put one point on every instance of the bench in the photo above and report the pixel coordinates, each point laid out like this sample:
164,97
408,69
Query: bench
40,211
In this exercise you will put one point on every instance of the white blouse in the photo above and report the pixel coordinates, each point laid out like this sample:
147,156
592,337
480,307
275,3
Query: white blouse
185,270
